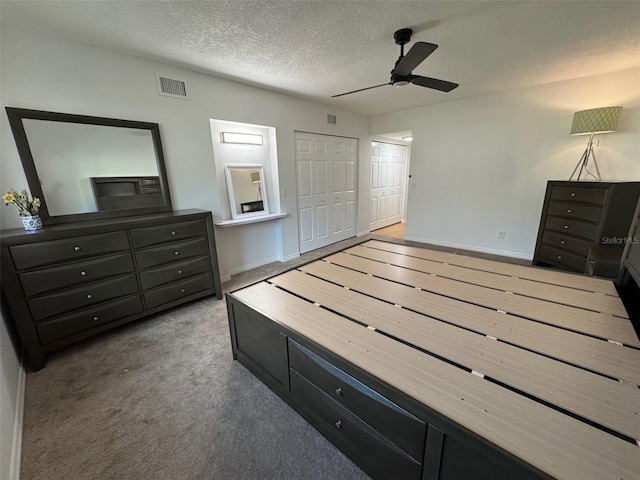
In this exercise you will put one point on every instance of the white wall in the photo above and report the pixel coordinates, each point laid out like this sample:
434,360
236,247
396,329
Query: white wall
12,378
46,73
481,165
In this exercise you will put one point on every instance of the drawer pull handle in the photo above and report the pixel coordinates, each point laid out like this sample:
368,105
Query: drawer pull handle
83,273
179,272
561,242
89,296
95,319
559,257
569,211
339,391
176,252
573,194
338,424
566,227
183,290
77,249
173,233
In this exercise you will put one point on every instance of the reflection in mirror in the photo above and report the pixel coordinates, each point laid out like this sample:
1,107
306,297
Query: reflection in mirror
87,168
68,155
247,190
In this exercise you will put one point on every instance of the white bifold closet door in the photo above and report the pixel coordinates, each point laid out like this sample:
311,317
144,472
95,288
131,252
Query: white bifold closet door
326,170
388,183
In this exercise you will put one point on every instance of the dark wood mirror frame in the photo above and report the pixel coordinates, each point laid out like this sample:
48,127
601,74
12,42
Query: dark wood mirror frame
16,117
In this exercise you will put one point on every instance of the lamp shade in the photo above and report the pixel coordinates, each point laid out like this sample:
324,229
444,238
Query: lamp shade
255,177
596,120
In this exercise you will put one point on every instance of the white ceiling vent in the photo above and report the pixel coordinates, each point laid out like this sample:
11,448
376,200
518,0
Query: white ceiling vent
170,87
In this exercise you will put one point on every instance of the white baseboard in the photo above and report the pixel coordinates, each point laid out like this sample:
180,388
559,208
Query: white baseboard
473,248
363,233
16,447
225,278
293,256
251,266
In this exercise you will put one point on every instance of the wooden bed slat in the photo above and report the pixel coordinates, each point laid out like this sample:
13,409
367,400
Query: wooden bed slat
549,440
544,291
596,398
590,353
544,275
593,323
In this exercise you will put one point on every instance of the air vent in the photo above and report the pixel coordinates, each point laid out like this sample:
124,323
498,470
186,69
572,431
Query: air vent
331,119
170,87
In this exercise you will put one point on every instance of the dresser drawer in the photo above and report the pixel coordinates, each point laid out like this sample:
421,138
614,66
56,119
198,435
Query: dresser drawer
60,328
178,290
589,213
577,228
85,296
172,252
576,245
147,190
559,257
144,237
579,194
55,251
392,421
174,272
384,459
75,273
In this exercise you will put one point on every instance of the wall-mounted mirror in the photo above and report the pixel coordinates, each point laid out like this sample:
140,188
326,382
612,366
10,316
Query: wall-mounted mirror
247,190
84,167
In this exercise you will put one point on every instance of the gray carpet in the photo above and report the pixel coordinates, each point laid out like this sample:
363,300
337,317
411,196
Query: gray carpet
163,399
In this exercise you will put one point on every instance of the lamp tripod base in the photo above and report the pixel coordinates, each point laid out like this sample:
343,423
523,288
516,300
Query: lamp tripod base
584,161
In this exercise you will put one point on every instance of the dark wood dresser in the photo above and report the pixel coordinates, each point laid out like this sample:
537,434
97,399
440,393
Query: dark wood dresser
70,281
584,226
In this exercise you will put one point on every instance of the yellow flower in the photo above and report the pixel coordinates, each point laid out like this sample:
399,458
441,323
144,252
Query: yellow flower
8,197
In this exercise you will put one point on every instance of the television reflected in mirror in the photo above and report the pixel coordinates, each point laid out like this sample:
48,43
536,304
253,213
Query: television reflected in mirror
84,167
247,191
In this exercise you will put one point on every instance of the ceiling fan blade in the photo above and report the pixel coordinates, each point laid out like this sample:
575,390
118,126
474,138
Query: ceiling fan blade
434,83
361,90
414,57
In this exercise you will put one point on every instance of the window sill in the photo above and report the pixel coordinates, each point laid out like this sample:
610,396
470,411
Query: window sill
245,221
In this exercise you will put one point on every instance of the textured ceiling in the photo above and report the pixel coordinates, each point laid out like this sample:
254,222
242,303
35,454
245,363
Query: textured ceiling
316,48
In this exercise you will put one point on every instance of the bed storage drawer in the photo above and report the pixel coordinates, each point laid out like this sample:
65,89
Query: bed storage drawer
399,426
144,237
76,273
171,252
54,251
63,327
383,459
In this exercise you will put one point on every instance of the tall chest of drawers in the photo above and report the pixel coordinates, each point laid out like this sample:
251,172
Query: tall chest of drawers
67,282
584,226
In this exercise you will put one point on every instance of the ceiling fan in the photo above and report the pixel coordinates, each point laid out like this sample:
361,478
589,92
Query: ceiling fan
401,73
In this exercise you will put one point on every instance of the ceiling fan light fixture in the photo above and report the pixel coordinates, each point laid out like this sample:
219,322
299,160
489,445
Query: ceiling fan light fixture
400,83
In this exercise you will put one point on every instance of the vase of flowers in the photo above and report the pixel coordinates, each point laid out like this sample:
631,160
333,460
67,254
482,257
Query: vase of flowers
27,208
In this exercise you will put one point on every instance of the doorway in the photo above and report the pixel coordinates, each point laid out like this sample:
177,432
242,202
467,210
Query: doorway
388,184
326,178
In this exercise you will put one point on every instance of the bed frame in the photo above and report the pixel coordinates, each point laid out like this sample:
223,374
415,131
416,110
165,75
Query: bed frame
420,364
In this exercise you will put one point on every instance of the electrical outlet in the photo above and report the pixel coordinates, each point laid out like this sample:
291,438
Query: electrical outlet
501,234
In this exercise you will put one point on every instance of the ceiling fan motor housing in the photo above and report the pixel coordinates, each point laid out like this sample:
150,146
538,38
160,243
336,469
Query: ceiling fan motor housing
403,36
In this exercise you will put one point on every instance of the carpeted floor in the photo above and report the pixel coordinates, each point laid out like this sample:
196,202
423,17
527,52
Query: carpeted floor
162,399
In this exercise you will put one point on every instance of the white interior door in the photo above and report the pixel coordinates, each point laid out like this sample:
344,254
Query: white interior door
326,169
388,172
